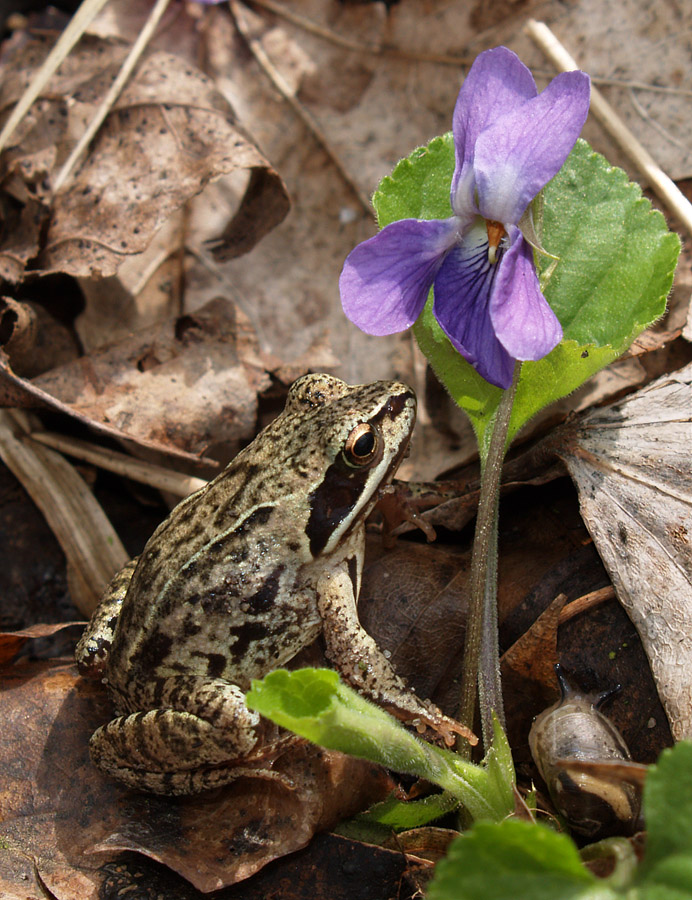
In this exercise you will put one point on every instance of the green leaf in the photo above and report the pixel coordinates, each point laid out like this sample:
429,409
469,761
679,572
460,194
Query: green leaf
667,865
500,768
405,814
316,705
616,265
419,186
514,861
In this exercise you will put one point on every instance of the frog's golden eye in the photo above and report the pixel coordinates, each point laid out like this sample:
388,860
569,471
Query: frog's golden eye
361,445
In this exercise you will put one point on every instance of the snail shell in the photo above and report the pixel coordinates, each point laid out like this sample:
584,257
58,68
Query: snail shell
583,758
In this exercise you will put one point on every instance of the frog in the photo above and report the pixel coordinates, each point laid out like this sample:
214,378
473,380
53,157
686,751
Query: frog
240,578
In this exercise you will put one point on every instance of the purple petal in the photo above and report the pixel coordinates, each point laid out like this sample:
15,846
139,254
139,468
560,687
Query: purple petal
497,83
385,281
519,154
522,319
462,294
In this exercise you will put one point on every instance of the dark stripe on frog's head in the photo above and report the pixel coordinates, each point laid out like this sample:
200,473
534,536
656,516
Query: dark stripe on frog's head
345,495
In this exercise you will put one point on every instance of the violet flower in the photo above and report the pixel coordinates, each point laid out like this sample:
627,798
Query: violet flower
509,141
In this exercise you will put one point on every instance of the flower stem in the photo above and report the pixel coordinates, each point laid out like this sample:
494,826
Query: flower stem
481,671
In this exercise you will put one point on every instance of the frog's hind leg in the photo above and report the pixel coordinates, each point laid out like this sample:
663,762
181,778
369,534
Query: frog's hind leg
170,750
95,644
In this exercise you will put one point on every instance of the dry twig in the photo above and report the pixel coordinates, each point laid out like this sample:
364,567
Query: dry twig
158,477
666,189
284,89
93,549
73,32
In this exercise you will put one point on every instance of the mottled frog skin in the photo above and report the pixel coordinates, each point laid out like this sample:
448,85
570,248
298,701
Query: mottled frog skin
238,579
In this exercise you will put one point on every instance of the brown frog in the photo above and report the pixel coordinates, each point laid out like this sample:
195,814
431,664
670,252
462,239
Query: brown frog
242,576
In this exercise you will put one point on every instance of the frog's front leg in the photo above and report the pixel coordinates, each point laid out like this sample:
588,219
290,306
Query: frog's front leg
362,663
183,745
94,645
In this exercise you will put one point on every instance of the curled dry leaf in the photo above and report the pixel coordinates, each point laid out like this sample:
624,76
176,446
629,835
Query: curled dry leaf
11,642
169,133
19,328
191,383
632,465
33,339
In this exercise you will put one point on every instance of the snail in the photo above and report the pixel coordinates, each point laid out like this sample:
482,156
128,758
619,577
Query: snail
586,764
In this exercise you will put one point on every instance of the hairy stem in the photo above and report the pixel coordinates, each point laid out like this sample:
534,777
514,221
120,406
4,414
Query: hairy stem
481,669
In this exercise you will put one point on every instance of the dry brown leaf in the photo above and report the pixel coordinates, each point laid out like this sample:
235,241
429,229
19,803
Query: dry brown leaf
21,393
190,383
528,669
33,339
57,808
43,776
534,655
229,835
169,134
11,642
414,603
632,465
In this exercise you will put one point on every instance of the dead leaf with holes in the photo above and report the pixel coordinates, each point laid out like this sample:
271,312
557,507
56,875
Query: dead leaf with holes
632,464
169,133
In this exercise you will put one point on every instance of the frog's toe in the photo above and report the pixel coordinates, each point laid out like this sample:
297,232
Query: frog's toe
456,728
448,729
442,726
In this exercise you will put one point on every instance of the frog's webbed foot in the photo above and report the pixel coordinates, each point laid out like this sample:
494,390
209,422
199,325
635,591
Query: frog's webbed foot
94,645
194,781
358,658
435,720
169,750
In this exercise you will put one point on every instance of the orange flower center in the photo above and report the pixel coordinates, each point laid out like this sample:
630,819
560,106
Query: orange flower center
496,231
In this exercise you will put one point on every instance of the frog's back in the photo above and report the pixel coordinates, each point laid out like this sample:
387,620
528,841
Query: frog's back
210,577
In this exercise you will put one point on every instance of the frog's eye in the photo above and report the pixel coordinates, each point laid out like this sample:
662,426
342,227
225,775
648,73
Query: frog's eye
361,445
